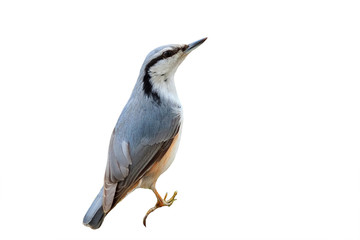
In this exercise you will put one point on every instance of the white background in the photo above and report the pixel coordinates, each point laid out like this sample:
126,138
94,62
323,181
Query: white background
270,145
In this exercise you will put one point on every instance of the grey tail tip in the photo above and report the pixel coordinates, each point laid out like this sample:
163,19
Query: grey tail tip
96,221
95,215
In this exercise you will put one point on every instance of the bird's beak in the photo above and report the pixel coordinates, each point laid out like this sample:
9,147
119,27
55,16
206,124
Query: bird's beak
194,45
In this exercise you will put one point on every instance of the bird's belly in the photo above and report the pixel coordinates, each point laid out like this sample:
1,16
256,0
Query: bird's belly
161,166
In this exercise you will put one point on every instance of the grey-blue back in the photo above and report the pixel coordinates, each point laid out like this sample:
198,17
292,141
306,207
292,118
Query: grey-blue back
146,127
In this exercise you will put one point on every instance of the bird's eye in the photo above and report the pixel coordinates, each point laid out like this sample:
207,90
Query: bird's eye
166,54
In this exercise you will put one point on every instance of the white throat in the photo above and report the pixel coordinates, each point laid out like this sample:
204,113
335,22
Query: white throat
164,85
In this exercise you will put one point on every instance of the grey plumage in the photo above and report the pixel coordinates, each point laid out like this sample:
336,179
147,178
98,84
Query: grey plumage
144,133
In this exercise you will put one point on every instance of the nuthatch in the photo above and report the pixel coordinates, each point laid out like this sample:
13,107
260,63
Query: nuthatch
146,136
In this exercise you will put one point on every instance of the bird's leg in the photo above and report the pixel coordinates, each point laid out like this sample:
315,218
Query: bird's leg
160,203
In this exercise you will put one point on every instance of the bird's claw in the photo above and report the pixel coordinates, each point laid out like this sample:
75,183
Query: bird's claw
170,201
160,203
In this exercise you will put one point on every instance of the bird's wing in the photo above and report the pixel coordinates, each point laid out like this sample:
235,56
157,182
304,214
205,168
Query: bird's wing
133,151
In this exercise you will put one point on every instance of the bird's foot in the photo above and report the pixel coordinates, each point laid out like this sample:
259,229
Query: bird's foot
160,203
165,202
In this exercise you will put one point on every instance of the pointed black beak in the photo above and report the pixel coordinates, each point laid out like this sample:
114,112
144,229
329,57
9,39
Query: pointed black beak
194,45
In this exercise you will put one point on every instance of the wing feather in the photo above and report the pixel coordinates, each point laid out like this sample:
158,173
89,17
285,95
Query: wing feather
134,148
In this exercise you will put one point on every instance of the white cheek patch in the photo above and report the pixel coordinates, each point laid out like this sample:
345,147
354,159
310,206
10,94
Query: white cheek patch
165,66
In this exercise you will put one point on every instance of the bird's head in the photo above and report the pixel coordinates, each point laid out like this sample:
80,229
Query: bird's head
158,70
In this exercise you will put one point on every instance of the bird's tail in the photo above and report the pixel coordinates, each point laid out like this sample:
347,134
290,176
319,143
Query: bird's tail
95,215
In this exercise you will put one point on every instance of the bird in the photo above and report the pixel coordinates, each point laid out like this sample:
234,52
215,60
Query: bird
146,136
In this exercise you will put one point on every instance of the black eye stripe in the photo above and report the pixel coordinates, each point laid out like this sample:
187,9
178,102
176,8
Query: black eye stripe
166,54
170,53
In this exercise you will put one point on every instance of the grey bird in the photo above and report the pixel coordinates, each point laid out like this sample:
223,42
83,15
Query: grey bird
146,137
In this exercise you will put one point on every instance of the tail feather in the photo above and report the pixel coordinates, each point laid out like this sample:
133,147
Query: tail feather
95,215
